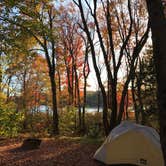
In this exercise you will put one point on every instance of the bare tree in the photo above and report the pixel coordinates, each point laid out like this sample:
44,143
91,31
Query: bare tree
114,32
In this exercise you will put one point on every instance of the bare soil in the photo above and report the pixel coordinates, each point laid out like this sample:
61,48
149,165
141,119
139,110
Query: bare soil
52,152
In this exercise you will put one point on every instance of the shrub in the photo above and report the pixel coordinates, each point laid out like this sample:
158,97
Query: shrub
94,131
67,120
94,126
10,119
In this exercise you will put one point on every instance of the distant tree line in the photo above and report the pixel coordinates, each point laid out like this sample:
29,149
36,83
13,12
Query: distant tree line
94,99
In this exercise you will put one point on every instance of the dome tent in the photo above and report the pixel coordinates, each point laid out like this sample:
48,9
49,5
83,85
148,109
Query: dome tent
131,143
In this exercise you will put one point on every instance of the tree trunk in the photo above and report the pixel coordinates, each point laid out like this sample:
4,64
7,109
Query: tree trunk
98,100
126,106
113,120
84,104
54,104
103,92
109,98
8,88
86,72
141,109
25,125
78,96
158,27
134,101
69,82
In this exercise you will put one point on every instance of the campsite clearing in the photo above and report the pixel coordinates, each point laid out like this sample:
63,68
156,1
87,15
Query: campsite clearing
58,151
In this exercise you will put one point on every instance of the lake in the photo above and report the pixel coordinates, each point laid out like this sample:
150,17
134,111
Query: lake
44,108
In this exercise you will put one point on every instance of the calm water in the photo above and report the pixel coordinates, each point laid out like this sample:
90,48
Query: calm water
92,110
44,108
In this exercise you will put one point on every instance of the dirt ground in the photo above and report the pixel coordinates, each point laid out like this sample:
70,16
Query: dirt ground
52,152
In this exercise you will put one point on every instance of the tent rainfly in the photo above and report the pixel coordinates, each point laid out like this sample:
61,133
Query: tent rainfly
131,143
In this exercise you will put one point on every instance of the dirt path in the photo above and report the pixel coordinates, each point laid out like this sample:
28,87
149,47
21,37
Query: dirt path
60,152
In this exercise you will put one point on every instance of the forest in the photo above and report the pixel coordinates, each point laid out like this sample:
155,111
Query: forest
72,71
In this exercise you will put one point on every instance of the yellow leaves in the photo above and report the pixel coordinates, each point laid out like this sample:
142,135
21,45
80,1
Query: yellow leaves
4,104
38,7
30,42
2,97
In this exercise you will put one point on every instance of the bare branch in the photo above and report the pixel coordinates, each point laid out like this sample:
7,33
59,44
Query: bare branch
127,38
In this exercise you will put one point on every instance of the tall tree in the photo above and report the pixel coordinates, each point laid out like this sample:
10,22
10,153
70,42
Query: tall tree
158,27
86,71
39,21
72,45
144,89
120,36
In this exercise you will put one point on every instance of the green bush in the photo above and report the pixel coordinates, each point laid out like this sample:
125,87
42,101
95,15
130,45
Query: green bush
38,124
67,120
94,131
10,120
94,127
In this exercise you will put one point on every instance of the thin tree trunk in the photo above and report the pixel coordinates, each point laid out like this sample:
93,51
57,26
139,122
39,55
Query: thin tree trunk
104,96
84,104
98,100
54,104
72,98
8,88
109,94
113,119
24,101
69,82
78,96
135,55
141,110
134,101
127,104
85,74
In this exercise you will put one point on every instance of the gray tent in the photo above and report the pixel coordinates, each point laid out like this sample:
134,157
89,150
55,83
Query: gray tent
130,143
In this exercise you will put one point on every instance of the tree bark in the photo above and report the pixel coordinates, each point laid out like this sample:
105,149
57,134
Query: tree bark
84,104
98,100
85,74
59,81
158,27
54,104
134,101
51,64
69,82
78,96
25,125
139,84
104,96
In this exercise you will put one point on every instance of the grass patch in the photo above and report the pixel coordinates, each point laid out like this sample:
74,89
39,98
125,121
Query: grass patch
83,140
96,141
